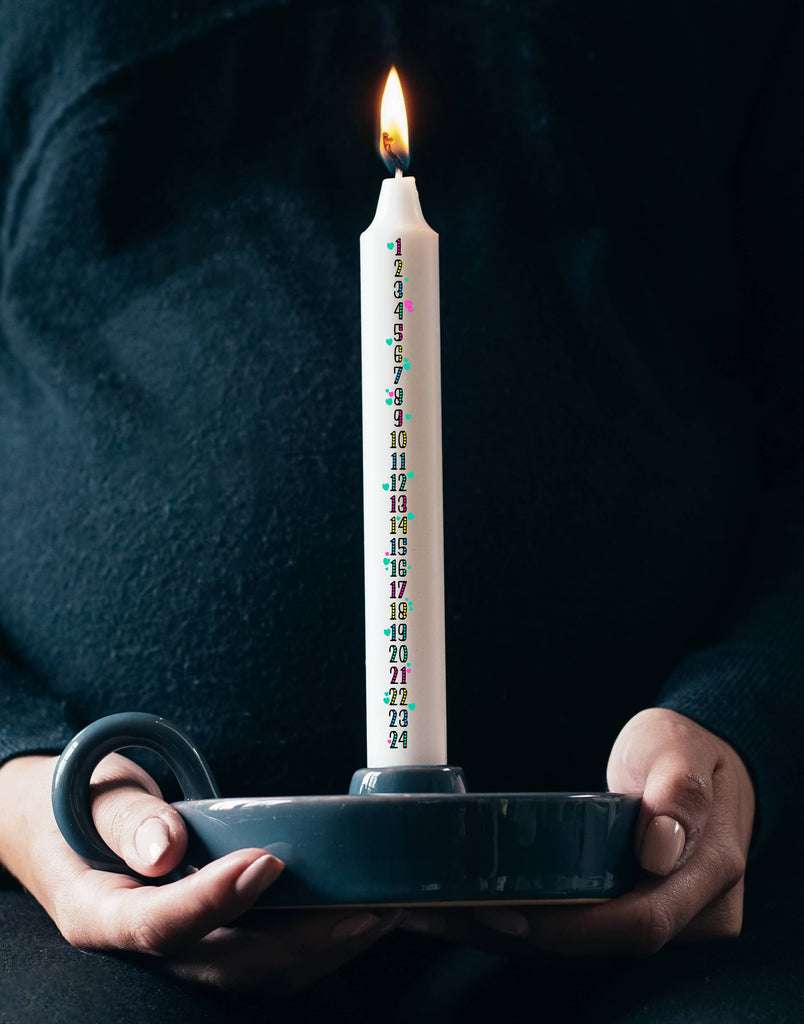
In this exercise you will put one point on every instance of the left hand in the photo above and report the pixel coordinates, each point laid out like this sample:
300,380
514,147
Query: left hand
692,837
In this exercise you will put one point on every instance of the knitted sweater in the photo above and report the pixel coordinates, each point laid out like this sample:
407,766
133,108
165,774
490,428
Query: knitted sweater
182,186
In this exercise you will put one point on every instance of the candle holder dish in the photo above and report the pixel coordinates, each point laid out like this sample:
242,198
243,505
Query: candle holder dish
401,837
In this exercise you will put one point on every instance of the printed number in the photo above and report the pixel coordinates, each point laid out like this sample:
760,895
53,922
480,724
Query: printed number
398,289
399,504
399,310
398,396
395,694
398,597
403,634
398,417
399,440
401,565
397,374
397,268
400,739
403,718
399,246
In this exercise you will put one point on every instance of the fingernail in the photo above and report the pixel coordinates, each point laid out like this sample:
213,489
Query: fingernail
258,876
151,840
351,927
662,845
509,922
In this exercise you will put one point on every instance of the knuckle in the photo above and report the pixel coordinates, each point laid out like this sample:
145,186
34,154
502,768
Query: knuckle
691,791
655,928
145,936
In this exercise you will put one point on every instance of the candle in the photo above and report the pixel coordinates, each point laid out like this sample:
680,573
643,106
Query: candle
402,489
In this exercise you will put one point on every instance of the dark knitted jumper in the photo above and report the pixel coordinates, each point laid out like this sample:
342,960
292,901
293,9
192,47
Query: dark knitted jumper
182,186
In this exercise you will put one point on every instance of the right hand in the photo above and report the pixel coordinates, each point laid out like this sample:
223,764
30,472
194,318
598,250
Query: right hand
186,924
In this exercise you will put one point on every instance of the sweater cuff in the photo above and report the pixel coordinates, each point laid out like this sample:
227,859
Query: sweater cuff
31,724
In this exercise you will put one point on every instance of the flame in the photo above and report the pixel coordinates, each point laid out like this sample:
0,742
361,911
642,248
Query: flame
394,145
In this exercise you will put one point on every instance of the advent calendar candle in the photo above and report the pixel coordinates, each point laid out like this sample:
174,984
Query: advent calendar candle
403,508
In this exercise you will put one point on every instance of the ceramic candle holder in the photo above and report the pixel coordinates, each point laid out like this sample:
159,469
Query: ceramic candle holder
431,843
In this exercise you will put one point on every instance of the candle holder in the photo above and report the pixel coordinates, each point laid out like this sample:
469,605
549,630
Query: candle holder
408,833
403,836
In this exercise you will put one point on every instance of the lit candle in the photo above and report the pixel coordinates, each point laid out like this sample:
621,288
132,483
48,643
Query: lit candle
403,506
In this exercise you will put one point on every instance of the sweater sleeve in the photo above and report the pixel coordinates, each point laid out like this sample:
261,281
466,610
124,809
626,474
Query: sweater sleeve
747,685
32,721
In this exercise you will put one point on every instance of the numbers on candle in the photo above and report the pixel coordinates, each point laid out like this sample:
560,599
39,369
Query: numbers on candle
398,630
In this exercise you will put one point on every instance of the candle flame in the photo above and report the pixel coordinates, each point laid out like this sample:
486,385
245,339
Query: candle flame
394,144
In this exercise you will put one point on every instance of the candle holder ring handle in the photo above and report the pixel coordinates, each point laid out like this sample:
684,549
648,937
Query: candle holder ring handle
71,796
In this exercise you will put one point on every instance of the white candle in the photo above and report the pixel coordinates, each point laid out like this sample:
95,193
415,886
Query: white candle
403,506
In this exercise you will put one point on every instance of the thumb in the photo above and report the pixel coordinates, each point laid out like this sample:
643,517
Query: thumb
671,760
133,820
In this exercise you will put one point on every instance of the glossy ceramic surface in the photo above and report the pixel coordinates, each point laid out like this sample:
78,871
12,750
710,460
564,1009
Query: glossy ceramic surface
375,848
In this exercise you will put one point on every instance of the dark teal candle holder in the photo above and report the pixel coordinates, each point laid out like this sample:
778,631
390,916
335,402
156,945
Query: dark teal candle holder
403,836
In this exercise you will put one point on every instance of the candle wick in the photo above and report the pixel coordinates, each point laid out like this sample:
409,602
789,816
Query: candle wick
398,173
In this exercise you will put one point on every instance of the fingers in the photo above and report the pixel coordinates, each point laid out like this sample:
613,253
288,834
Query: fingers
289,951
131,818
691,838
115,912
671,761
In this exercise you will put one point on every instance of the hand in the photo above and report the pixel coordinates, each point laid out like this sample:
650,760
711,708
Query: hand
186,924
691,838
